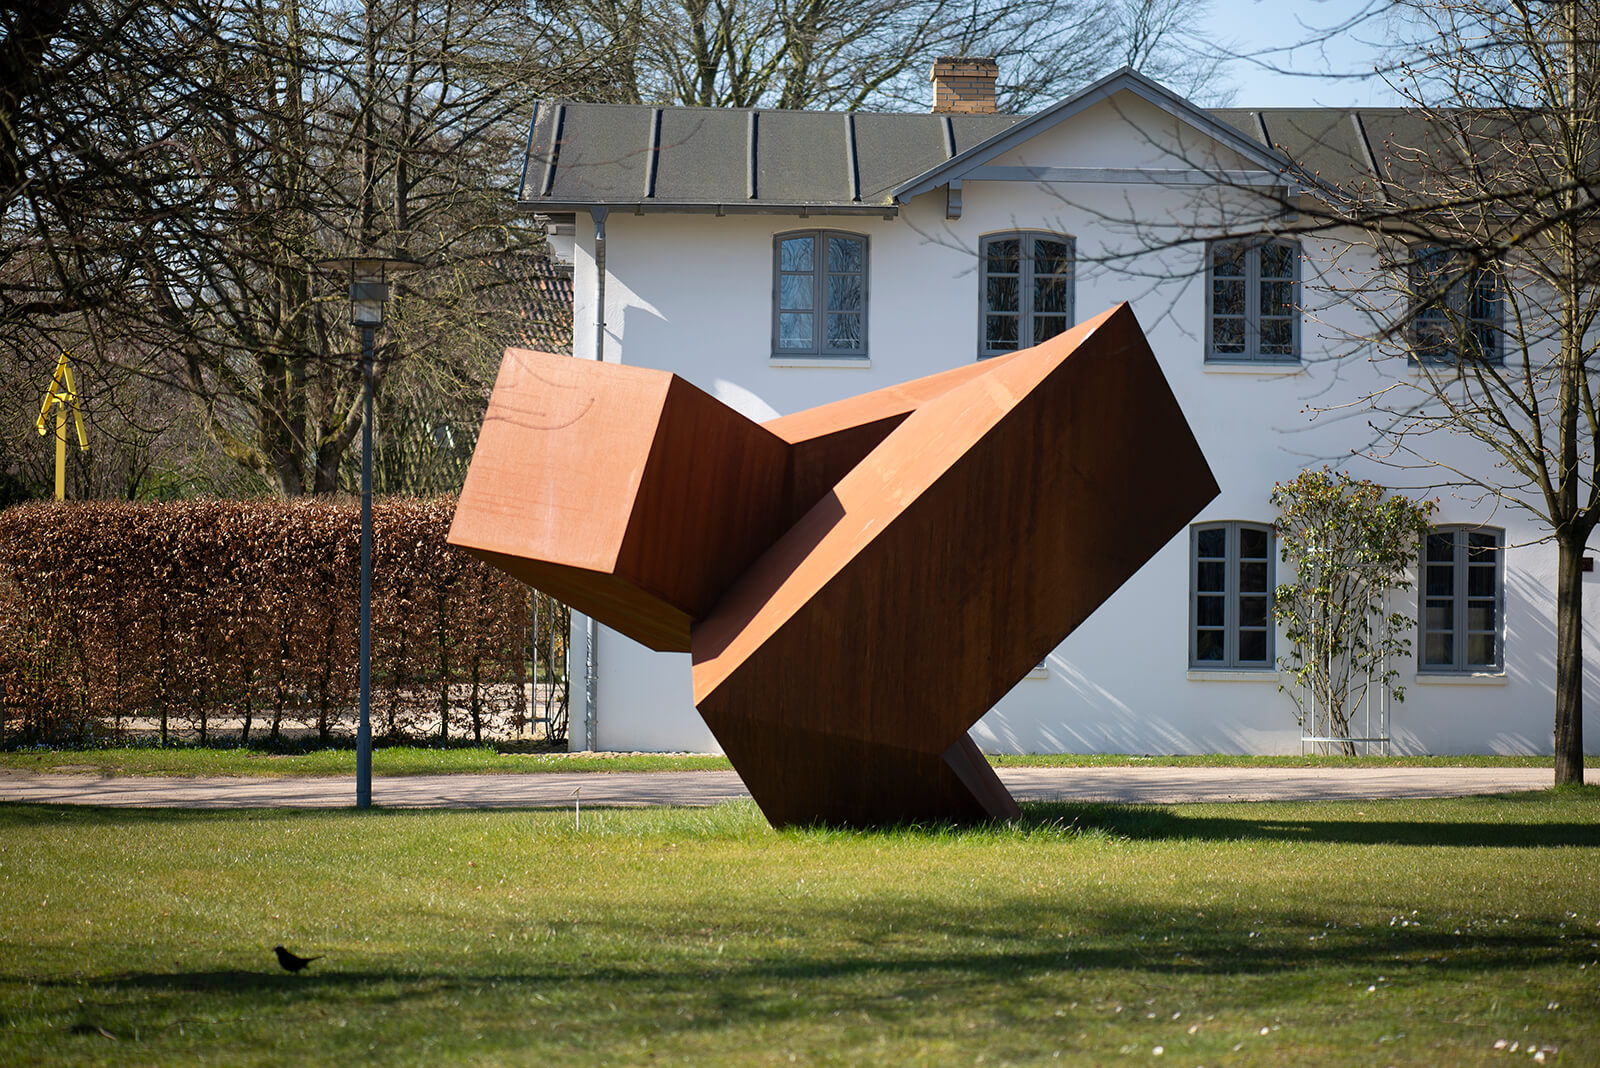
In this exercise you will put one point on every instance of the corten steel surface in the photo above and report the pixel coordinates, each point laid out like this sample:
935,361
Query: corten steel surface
857,583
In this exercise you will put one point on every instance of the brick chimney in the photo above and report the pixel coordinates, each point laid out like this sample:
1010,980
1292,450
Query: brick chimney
964,84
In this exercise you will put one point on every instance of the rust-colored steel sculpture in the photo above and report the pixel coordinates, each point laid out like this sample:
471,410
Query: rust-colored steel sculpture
858,583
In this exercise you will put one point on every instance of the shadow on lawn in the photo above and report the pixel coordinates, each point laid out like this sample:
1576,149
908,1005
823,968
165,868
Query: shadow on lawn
1165,823
1006,948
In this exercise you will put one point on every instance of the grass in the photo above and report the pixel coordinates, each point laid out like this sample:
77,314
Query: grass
1403,933
415,760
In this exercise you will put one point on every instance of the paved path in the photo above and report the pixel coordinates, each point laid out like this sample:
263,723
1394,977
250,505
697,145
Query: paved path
1148,785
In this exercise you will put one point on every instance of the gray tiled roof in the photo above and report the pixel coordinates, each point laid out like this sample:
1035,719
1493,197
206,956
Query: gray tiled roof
735,159
638,157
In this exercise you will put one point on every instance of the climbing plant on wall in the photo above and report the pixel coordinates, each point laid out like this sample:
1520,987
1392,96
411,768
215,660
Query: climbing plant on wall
1349,545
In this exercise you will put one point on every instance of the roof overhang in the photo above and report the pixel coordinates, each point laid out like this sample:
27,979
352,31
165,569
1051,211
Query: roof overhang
657,207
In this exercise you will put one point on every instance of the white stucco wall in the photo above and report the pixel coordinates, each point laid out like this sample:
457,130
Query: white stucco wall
692,294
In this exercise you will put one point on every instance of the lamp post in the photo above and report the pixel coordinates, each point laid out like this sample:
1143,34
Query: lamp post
369,289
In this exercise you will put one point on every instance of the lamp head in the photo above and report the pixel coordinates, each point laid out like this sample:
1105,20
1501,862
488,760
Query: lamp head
369,284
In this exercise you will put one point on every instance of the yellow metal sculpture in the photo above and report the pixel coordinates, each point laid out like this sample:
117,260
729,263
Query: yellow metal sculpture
62,394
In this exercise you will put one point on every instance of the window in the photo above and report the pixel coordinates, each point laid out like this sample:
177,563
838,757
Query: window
820,294
1253,301
1230,602
1455,313
1025,291
1462,600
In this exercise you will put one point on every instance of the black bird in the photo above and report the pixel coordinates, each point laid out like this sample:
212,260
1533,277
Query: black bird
290,962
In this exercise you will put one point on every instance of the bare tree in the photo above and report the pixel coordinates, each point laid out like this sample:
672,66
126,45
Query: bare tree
846,54
1486,228
1467,247
171,173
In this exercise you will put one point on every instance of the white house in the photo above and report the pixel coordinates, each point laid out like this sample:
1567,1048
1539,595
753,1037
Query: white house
780,260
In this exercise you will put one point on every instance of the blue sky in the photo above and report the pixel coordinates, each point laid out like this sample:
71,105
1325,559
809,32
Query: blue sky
1268,29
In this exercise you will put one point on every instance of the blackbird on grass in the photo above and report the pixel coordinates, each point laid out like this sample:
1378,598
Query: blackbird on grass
290,962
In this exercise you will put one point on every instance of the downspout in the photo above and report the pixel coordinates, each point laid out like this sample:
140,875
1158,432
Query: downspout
591,629
599,213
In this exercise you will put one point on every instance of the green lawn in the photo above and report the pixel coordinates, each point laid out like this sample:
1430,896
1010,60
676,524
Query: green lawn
412,760
1370,933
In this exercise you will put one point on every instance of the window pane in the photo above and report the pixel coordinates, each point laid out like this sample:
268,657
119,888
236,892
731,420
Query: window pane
844,292
1228,259
1277,337
1049,294
844,255
1481,547
1000,331
1480,650
1277,261
1480,581
1050,257
1002,294
795,292
1046,327
1252,577
1441,547
1277,298
1210,576
794,253
1208,645
844,331
1227,335
1252,646
1437,616
1252,544
1438,649
1213,542
1441,580
1252,611
1227,297
794,331
1003,255
1480,615
1208,611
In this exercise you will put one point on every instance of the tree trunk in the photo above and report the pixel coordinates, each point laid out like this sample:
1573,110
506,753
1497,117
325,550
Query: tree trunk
1569,662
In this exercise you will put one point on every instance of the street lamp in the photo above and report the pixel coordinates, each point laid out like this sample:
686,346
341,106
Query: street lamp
369,289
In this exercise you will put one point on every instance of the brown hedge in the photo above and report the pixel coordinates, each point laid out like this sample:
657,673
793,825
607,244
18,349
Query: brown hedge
193,611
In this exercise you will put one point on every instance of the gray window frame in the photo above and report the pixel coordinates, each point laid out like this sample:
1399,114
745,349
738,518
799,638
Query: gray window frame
819,274
1252,353
1459,598
1231,595
1025,320
1453,303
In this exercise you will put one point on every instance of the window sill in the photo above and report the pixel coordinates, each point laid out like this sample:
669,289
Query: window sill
1461,678
1253,367
1233,675
858,362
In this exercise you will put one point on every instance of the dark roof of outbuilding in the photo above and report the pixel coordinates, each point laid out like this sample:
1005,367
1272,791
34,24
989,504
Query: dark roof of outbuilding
735,159
729,160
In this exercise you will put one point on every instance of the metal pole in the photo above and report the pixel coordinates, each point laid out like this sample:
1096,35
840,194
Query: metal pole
61,449
364,729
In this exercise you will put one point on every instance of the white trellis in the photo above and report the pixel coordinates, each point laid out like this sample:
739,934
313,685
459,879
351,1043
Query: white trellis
1321,709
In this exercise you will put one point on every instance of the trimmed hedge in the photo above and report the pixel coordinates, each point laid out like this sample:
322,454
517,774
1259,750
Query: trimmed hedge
192,611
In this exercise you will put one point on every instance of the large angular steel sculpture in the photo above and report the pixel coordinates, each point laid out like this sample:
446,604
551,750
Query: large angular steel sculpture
858,583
